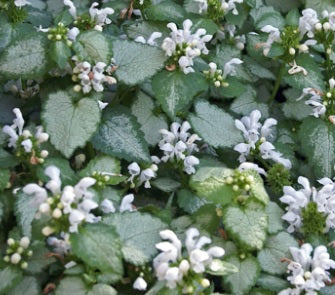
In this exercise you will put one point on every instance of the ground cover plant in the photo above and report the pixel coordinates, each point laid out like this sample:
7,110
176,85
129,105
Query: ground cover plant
167,147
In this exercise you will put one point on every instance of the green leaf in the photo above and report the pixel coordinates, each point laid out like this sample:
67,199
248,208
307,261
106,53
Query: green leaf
267,15
9,277
99,247
318,144
25,210
166,11
70,125
28,286
242,281
24,58
246,225
276,248
6,159
166,184
209,183
321,5
139,232
214,125
275,214
223,268
119,135
70,286
235,88
204,23
93,46
136,62
5,33
4,179
143,109
60,53
189,202
102,164
257,189
314,78
328,290
175,90
272,283
102,289
294,109
39,261
247,102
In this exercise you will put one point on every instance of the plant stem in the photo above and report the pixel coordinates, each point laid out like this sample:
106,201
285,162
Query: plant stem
277,84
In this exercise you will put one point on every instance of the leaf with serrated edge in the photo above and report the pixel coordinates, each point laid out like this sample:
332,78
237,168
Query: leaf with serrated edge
138,233
136,62
175,90
98,246
318,144
276,248
275,214
246,225
9,277
24,59
214,125
70,125
119,135
242,281
71,285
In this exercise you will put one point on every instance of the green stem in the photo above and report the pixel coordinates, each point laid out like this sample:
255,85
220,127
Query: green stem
277,84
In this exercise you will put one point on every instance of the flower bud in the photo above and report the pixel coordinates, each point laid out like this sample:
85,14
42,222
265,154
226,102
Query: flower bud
10,242
205,283
24,265
44,153
303,48
30,253
77,88
184,266
292,51
44,208
20,250
26,133
57,213
24,243
6,258
328,94
47,231
318,27
326,26
235,188
58,37
15,258
217,84
329,51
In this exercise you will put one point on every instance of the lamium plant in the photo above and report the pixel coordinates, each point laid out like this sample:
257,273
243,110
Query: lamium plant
167,147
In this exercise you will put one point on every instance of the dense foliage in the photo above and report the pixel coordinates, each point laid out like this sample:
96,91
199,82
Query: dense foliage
167,147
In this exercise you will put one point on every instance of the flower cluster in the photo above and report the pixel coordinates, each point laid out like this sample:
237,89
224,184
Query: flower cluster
217,77
256,136
183,46
18,252
319,101
91,77
308,273
69,207
308,209
178,144
185,272
96,19
218,8
26,145
138,177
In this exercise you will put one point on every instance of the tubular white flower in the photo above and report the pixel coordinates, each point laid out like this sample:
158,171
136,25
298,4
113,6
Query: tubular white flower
72,8
307,22
140,284
229,67
274,36
126,203
107,206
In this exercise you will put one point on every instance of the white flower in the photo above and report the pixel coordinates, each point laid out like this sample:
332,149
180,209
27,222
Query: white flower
315,100
60,245
72,8
251,166
146,176
140,284
126,203
297,69
107,206
254,134
274,36
20,3
100,15
307,22
76,217
296,201
73,33
308,273
189,45
179,144
194,262
229,67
